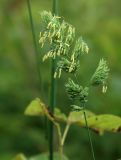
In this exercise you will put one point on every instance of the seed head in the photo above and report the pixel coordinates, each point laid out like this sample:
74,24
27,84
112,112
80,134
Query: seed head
76,92
101,74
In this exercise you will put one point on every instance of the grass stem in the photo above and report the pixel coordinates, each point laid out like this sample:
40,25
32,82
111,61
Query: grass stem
65,133
34,38
89,135
52,91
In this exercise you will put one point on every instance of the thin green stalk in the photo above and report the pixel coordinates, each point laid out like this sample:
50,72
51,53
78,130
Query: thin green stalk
52,92
65,133
88,130
36,52
52,105
34,37
55,7
89,135
63,137
60,138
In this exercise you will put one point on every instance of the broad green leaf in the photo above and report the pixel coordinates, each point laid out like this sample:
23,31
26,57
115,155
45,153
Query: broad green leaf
38,108
77,117
35,108
104,122
45,156
98,123
59,116
20,156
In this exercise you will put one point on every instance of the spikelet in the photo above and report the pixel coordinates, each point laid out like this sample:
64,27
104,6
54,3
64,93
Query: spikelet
67,66
76,92
101,74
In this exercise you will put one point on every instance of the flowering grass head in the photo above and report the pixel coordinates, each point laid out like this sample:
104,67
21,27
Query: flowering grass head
61,37
68,50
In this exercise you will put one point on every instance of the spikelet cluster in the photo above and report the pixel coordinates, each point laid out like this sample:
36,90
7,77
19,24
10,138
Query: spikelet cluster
76,92
66,65
80,47
100,75
71,62
60,35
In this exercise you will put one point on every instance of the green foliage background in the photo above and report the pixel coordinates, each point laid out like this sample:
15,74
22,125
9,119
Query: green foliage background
99,22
